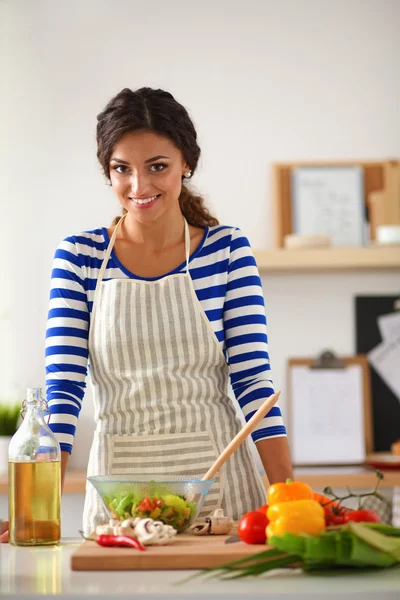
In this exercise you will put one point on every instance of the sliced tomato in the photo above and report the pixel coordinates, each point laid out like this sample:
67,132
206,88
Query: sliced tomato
252,527
146,505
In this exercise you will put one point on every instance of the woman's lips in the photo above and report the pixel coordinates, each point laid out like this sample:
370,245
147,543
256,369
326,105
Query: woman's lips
145,202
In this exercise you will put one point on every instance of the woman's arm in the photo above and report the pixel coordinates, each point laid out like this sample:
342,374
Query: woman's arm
64,461
66,343
246,344
275,457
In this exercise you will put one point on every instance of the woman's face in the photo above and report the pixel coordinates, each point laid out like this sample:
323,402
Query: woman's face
146,175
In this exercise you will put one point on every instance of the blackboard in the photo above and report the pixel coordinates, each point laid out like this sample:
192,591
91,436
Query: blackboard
385,405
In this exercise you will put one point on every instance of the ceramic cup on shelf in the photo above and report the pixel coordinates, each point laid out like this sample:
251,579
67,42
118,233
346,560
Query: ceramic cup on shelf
387,234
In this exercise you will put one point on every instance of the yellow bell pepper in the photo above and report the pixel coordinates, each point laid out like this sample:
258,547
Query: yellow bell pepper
297,516
289,491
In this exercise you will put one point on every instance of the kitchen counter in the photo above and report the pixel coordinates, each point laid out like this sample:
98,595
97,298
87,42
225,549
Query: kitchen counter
357,477
29,573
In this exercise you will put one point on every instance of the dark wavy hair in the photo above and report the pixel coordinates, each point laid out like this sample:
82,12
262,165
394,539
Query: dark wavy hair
157,111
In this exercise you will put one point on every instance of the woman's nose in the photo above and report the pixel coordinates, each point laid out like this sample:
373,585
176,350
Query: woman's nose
138,184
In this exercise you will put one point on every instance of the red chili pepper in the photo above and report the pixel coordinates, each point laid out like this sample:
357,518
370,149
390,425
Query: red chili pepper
119,541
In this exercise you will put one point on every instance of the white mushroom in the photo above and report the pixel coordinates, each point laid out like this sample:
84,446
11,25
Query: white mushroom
217,524
128,531
151,532
220,524
165,532
105,529
131,522
147,531
114,522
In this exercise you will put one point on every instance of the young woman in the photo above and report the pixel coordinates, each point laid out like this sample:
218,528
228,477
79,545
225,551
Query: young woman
167,305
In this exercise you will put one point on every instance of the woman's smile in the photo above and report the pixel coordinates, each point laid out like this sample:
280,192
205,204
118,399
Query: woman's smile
145,202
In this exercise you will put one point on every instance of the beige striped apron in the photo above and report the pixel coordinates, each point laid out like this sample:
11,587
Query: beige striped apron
160,383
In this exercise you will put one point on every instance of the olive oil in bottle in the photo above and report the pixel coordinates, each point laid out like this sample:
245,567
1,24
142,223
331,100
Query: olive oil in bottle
34,478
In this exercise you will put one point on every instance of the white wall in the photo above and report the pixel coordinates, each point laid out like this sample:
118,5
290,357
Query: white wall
264,81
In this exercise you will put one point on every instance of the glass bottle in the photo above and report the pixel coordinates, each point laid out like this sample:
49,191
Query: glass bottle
34,476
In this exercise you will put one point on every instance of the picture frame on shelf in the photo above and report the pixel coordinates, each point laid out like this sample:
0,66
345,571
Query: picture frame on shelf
380,195
329,201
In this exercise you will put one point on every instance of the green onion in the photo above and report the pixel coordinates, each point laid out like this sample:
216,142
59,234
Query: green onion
350,546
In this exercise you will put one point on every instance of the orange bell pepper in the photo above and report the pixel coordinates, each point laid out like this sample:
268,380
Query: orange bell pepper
297,517
289,491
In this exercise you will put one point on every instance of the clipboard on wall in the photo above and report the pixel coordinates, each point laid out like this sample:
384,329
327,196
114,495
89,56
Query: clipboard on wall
329,410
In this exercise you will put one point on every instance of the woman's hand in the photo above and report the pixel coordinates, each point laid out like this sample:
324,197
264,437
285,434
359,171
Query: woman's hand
4,537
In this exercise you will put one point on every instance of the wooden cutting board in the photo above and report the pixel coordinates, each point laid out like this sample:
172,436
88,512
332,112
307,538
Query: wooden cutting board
185,552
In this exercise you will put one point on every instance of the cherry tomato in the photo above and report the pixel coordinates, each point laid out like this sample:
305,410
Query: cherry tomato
334,512
263,509
334,515
363,515
252,527
335,519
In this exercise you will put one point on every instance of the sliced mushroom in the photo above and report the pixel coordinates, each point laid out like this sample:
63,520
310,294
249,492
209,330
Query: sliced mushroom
147,531
128,531
217,524
151,532
114,523
106,529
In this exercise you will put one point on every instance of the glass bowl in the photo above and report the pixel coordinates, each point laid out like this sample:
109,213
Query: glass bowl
175,500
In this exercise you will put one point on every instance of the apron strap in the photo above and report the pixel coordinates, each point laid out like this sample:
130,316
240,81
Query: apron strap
187,244
104,265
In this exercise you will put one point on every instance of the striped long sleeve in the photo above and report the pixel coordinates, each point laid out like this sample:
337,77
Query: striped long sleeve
66,343
246,340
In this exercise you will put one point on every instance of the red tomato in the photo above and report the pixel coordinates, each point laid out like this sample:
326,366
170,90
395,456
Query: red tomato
252,527
335,519
334,515
146,505
363,515
263,509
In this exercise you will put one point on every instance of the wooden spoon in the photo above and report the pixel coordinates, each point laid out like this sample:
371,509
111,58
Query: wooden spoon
242,435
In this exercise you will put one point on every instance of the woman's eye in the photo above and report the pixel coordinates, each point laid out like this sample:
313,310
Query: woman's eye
158,167
120,168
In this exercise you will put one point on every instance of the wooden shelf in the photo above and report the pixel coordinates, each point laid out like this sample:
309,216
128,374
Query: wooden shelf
316,477
328,259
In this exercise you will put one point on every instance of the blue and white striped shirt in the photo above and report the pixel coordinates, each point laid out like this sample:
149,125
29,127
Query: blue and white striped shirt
228,286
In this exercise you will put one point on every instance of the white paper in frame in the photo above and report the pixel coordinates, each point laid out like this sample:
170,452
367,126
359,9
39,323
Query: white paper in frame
327,420
329,201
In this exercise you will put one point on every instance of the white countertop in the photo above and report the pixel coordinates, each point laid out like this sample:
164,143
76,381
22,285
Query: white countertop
30,573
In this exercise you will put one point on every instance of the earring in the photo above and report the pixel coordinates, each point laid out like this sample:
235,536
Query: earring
188,175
